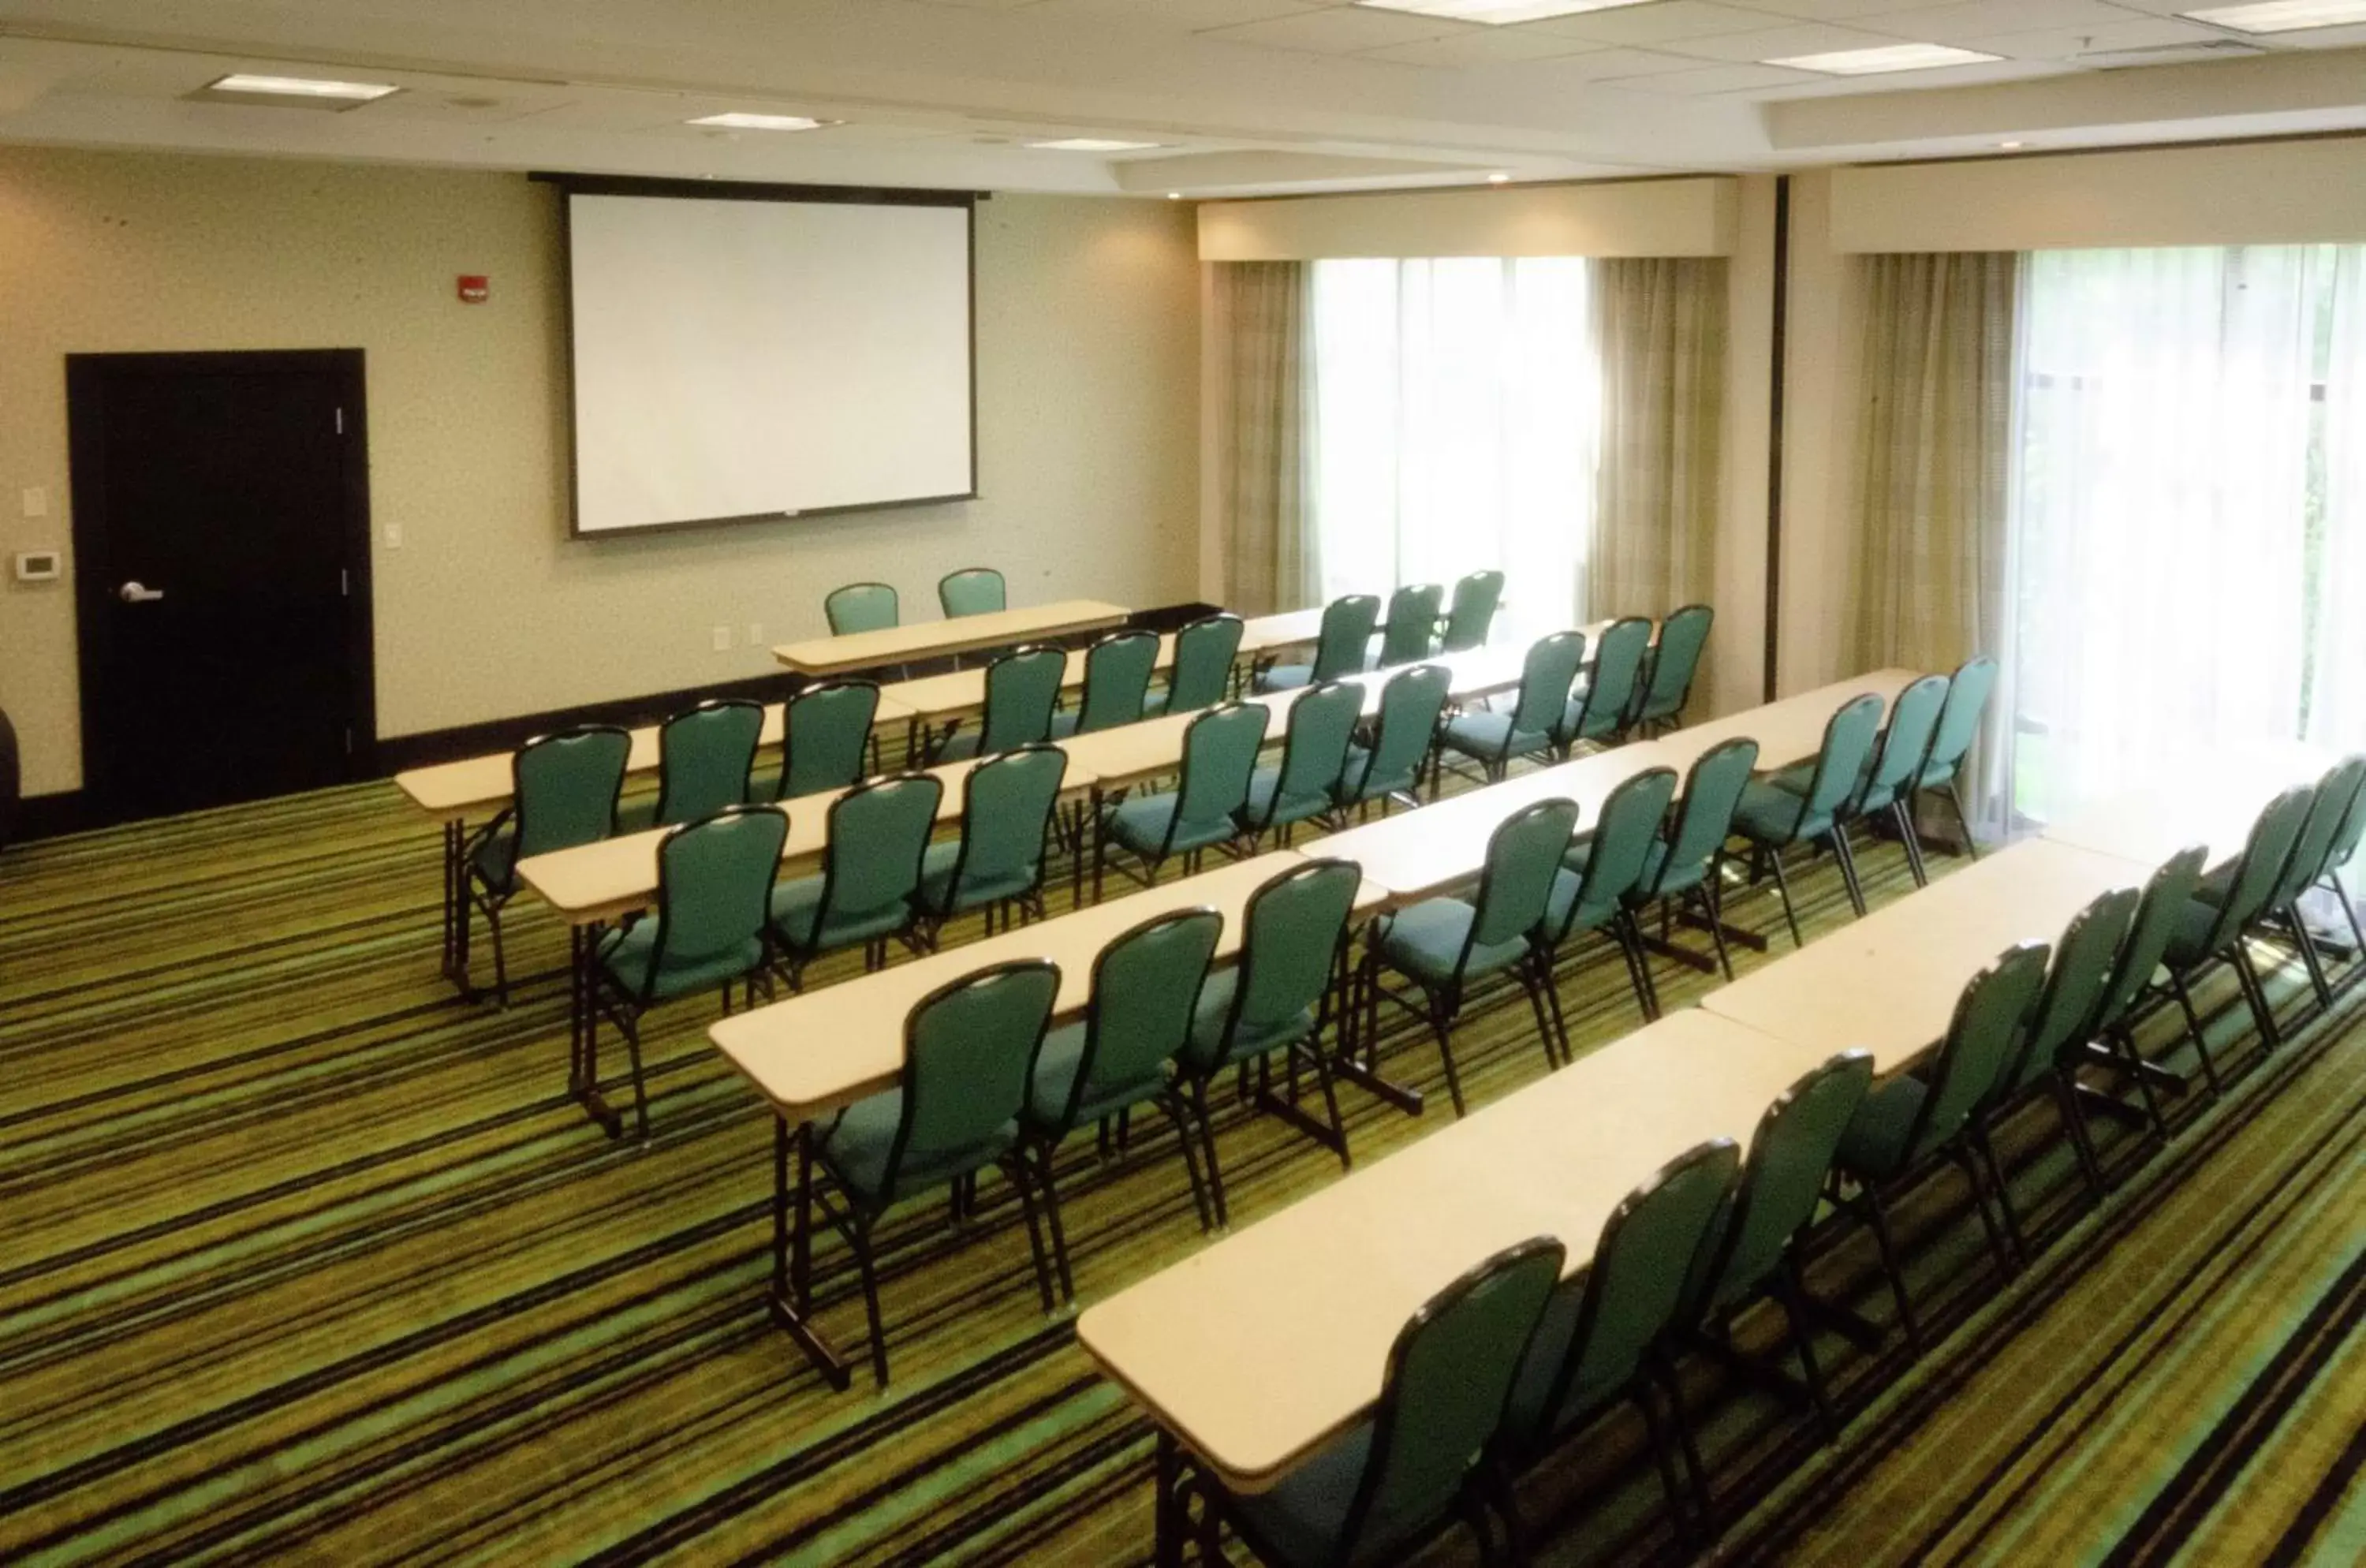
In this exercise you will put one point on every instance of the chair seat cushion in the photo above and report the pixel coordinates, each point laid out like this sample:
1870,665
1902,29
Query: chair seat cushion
1299,1520
1056,1064
1283,677
937,883
1264,811
797,916
2188,938
1680,879
857,1146
1771,815
496,862
1487,735
629,956
1353,786
959,747
1208,1050
1563,913
1577,722
1141,825
1875,1142
1425,942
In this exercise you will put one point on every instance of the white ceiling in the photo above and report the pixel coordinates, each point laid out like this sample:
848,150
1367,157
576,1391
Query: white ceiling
1242,96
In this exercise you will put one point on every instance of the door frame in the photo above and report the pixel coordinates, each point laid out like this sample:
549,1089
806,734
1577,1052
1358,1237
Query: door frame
88,376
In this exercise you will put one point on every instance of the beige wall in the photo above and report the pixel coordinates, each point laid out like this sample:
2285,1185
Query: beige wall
1679,217
1088,407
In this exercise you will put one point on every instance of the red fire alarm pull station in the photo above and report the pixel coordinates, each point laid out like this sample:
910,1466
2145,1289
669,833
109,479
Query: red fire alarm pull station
475,290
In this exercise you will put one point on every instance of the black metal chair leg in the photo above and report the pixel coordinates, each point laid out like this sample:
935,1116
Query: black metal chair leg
1792,1296
2074,1122
1442,1026
1783,886
1970,1164
632,1034
1984,1147
861,1236
1954,794
1712,896
1525,974
1016,1169
1208,1150
1178,1113
1051,1218
2194,1031
1329,1088
1880,1224
1634,940
1679,1516
2255,992
1847,857
1911,840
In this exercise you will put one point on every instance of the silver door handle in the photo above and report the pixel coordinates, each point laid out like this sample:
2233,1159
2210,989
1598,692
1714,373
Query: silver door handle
135,593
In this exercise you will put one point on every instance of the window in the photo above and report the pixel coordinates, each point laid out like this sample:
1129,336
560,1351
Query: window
2188,544
1456,407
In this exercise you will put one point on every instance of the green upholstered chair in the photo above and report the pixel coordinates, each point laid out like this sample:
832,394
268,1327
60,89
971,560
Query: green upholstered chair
869,887
1493,737
1774,818
1117,685
1201,674
1220,754
1444,946
1313,758
1377,1491
1470,615
1593,889
1146,988
1411,629
973,591
826,737
1347,625
861,607
1911,1126
2166,895
563,790
2337,857
2207,933
1968,690
1760,1235
1898,759
1605,1334
1390,768
969,1056
1669,671
714,889
1279,997
704,756
2336,801
1022,692
1685,866
1602,700
998,861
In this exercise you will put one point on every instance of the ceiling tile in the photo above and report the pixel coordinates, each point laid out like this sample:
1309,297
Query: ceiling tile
2066,43
1988,19
1483,47
1850,10
1340,29
1171,16
1716,79
1780,43
1662,23
1597,65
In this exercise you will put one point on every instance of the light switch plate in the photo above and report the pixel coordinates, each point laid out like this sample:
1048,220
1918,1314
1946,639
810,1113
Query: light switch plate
723,640
37,501
755,634
394,536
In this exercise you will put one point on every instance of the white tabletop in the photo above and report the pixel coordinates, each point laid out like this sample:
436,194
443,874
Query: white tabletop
925,640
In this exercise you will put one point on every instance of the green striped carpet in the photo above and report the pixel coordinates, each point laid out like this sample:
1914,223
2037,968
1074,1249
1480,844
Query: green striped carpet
305,1261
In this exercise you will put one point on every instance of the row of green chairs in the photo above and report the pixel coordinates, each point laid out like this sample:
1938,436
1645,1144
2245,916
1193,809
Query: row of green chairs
1414,630
1633,687
873,606
1023,686
990,1082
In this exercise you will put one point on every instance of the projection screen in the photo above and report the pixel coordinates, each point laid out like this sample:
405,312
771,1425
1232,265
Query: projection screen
742,358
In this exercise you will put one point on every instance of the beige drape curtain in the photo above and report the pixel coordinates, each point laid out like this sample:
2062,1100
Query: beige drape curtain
1658,330
1265,430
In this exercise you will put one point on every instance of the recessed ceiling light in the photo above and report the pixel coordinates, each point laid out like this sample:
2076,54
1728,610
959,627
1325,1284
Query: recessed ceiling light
1174,196
1497,13
735,121
1887,57
2012,146
1092,145
312,91
1499,177
2282,16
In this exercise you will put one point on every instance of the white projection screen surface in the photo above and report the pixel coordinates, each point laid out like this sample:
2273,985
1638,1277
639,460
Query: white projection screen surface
742,358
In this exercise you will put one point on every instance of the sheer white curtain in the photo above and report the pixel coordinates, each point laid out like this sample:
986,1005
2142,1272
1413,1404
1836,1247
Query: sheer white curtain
2160,552
2336,688
1457,418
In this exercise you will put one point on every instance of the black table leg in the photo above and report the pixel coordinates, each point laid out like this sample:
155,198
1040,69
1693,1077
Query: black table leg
791,1296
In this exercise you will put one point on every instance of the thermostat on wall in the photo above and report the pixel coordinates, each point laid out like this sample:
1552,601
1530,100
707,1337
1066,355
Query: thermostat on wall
37,565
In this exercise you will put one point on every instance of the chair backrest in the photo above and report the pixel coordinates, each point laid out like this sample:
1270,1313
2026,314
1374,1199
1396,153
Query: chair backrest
1959,720
1022,691
1411,704
973,591
2312,851
715,883
861,607
2166,895
1632,817
1545,676
1117,680
825,731
969,1050
704,758
1905,744
1220,754
1006,804
1982,1041
878,833
1523,857
1347,624
1712,794
2265,855
1442,1398
1790,1155
1315,747
1291,935
564,787
1201,675
1145,985
1675,661
1411,624
2345,836
1472,613
1848,742
1630,1293
2077,983
1611,694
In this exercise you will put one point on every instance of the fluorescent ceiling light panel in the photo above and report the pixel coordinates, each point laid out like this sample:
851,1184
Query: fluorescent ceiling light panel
302,87
2282,15
1886,57
737,121
1092,145
1497,13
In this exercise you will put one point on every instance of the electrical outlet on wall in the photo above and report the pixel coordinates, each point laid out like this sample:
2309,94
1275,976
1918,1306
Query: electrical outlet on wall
755,634
723,640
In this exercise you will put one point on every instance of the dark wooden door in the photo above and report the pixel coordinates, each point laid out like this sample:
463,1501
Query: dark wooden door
222,542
